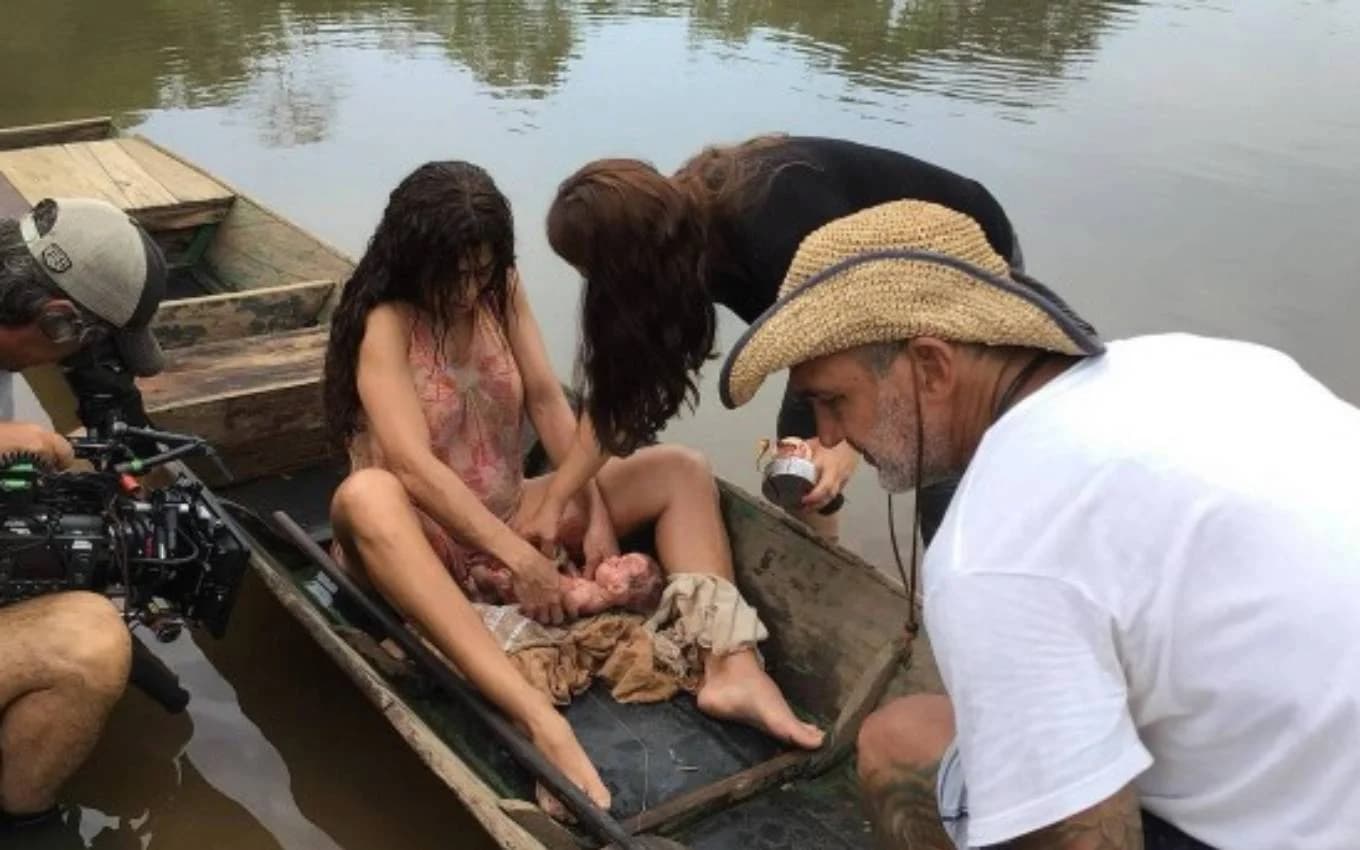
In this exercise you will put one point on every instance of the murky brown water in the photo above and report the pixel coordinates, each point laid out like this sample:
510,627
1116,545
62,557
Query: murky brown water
1170,165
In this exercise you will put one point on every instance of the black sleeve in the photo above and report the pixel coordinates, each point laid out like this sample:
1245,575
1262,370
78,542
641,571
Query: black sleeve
795,417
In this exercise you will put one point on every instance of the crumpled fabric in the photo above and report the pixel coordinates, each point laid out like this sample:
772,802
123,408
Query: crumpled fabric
561,662
700,611
642,660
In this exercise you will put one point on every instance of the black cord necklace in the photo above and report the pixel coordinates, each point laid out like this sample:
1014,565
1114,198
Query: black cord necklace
1021,378
910,577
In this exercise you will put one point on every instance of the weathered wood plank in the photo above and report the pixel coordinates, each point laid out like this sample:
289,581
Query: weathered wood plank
184,214
184,183
539,824
141,190
829,612
33,135
235,315
256,248
266,430
717,795
92,172
236,366
51,171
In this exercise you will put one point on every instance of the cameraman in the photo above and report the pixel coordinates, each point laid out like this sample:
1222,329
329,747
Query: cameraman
73,273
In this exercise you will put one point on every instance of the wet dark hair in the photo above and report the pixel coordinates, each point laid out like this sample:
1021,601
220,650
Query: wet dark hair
647,245
437,219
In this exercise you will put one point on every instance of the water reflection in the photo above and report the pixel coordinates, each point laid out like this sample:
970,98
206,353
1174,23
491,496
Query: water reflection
1012,53
272,59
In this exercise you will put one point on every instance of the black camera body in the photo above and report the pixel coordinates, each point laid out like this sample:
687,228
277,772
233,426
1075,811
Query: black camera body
168,556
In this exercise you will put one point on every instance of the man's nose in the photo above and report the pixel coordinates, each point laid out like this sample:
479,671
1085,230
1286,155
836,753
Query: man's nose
829,433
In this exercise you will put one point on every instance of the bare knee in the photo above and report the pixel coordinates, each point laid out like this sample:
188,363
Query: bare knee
908,733
86,642
366,495
687,466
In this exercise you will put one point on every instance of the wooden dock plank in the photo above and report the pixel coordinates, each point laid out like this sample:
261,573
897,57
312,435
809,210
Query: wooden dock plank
51,171
185,184
235,315
93,173
32,135
141,189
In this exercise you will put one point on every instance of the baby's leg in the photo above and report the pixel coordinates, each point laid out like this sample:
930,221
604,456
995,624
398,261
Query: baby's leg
378,528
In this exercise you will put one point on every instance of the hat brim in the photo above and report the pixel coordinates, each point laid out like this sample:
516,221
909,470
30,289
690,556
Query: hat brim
893,295
140,351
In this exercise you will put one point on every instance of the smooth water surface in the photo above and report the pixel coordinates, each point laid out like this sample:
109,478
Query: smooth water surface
1170,165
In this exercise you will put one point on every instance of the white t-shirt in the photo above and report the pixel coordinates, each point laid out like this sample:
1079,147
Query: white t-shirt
1151,573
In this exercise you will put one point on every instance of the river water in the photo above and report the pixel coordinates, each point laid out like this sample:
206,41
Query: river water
1170,165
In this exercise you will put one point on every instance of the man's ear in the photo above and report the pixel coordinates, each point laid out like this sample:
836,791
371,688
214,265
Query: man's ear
935,366
59,321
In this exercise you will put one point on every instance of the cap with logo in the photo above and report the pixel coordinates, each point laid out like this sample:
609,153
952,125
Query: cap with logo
96,254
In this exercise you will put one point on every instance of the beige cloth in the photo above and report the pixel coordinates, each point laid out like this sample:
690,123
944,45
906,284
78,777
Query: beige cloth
643,661
699,611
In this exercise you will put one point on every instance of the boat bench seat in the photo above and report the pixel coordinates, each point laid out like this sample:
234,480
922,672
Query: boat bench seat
243,370
153,186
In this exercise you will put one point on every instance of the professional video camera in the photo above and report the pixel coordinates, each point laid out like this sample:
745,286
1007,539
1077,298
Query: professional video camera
166,555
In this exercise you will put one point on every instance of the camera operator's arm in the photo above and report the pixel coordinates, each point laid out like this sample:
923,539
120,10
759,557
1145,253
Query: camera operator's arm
27,438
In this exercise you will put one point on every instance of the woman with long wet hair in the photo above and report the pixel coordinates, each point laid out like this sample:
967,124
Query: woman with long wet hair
433,362
659,253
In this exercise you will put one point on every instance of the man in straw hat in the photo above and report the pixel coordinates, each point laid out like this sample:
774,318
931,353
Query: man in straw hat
1145,597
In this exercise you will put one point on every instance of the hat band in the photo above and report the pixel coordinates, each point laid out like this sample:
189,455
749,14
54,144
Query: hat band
1076,329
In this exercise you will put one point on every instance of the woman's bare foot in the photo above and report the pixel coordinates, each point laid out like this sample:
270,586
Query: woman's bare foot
553,737
736,688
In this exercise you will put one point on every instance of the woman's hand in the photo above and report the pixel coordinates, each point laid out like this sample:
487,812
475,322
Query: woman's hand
538,586
543,526
834,468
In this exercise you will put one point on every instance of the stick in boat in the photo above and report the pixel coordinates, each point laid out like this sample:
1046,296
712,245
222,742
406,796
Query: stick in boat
595,819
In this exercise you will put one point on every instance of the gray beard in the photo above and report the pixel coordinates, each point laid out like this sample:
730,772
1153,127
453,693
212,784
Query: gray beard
901,476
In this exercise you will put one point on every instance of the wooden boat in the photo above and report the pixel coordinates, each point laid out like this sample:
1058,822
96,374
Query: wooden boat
245,336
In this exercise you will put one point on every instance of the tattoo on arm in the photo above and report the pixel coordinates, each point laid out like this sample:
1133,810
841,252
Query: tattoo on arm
1115,824
904,812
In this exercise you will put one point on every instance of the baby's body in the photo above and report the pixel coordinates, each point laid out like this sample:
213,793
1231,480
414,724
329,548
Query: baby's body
632,581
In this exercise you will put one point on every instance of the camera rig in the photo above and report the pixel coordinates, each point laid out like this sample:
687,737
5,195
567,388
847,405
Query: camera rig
165,556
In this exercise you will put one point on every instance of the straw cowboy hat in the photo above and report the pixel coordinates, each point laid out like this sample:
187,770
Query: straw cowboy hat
893,272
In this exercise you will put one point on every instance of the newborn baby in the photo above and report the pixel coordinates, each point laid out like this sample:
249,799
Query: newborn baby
632,581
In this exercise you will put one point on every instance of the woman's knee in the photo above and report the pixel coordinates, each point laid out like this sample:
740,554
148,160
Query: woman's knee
911,732
685,465
364,495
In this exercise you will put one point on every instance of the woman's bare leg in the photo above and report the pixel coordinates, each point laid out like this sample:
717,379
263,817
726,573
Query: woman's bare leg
377,527
675,487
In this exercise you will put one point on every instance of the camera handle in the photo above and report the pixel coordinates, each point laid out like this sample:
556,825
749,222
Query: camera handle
151,677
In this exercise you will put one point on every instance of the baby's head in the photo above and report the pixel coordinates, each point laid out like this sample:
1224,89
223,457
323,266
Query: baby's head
633,581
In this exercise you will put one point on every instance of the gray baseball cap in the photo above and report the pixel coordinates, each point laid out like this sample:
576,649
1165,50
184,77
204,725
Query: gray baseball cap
96,254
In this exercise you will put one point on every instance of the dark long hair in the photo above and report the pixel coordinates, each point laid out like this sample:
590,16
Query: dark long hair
444,216
647,246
